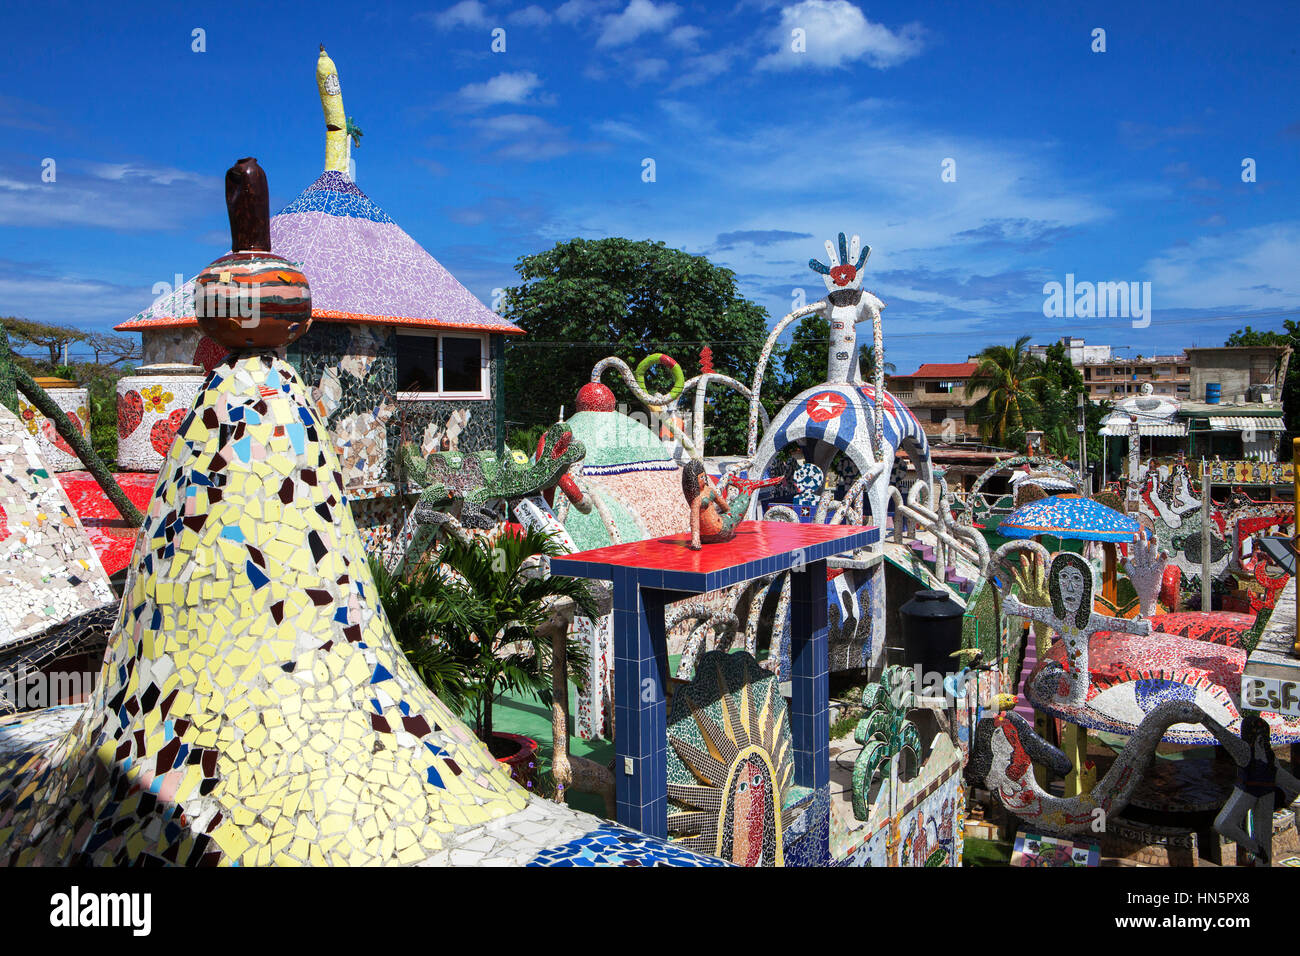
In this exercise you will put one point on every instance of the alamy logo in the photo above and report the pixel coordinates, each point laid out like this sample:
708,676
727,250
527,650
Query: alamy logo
1101,300
75,908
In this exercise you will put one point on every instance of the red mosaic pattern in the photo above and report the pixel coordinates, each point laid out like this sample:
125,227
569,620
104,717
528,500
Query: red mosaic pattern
111,537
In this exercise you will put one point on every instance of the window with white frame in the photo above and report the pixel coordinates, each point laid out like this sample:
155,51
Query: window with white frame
433,365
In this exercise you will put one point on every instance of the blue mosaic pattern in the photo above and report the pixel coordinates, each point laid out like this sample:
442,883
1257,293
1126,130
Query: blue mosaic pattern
1069,516
614,845
335,194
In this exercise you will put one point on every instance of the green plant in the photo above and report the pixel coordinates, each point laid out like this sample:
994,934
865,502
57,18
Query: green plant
503,600
1007,377
418,606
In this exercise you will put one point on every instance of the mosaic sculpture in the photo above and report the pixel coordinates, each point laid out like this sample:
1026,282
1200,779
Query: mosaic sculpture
251,298
885,733
730,766
1006,748
10,372
714,514
450,482
151,404
1262,786
844,415
1145,567
1072,584
54,593
253,707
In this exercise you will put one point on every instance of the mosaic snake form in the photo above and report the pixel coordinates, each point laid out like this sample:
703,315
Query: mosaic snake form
1006,746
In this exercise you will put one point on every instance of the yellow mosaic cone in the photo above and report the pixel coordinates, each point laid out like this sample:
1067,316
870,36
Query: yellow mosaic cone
253,706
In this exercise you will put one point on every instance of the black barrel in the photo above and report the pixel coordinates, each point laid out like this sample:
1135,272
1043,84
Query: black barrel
931,631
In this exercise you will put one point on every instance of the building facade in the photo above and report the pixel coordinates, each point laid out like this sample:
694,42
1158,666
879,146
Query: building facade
936,394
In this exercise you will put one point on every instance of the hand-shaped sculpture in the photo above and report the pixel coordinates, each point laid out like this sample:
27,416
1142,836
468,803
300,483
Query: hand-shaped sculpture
1145,566
1030,578
849,305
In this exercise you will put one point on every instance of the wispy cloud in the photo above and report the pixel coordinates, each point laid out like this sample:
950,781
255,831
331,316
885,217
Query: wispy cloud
514,89
756,237
527,138
530,16
837,34
1237,269
466,14
120,196
638,18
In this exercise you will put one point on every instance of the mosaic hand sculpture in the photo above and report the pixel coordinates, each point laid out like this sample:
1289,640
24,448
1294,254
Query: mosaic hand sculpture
1145,567
1030,578
1006,747
1072,585
848,305
714,515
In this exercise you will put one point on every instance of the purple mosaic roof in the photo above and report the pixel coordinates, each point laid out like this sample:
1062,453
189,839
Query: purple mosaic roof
361,266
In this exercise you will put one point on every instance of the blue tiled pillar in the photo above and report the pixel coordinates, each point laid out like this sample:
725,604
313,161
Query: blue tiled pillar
810,676
640,711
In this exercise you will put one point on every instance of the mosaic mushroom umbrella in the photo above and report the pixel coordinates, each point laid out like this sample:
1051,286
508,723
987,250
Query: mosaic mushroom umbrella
1073,517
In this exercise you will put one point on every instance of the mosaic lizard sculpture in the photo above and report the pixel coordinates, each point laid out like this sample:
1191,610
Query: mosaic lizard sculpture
1006,747
448,481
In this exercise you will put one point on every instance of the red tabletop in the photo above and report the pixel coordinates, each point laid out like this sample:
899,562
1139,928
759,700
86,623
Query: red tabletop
759,548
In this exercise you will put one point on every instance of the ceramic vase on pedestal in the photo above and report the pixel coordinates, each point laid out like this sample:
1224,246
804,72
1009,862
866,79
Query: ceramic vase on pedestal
70,397
151,404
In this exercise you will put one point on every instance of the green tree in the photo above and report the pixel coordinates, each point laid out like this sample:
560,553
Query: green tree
43,335
802,363
1009,376
585,299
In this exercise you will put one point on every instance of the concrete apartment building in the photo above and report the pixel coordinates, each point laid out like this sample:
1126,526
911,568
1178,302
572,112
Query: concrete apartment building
1108,377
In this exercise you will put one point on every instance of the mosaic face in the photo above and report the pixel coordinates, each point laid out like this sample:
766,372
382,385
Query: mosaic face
730,766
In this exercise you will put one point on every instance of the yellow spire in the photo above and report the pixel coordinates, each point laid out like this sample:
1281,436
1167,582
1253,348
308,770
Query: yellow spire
337,144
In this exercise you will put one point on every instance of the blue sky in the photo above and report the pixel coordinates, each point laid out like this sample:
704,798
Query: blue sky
1115,166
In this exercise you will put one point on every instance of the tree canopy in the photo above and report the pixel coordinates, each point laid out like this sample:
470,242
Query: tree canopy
585,299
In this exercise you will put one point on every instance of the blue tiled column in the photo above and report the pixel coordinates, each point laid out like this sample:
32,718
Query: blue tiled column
810,676
640,712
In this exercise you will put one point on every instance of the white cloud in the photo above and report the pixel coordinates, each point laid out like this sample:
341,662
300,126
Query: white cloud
117,196
836,34
467,13
511,88
530,16
1245,268
687,37
618,129
648,69
640,17
575,11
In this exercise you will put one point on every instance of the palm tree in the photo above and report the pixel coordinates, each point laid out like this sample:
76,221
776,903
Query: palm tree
505,599
1007,375
867,362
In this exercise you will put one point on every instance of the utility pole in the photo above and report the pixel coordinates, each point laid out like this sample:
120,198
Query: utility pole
1083,441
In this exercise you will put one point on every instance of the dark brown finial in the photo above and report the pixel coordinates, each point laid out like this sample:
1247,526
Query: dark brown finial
248,202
